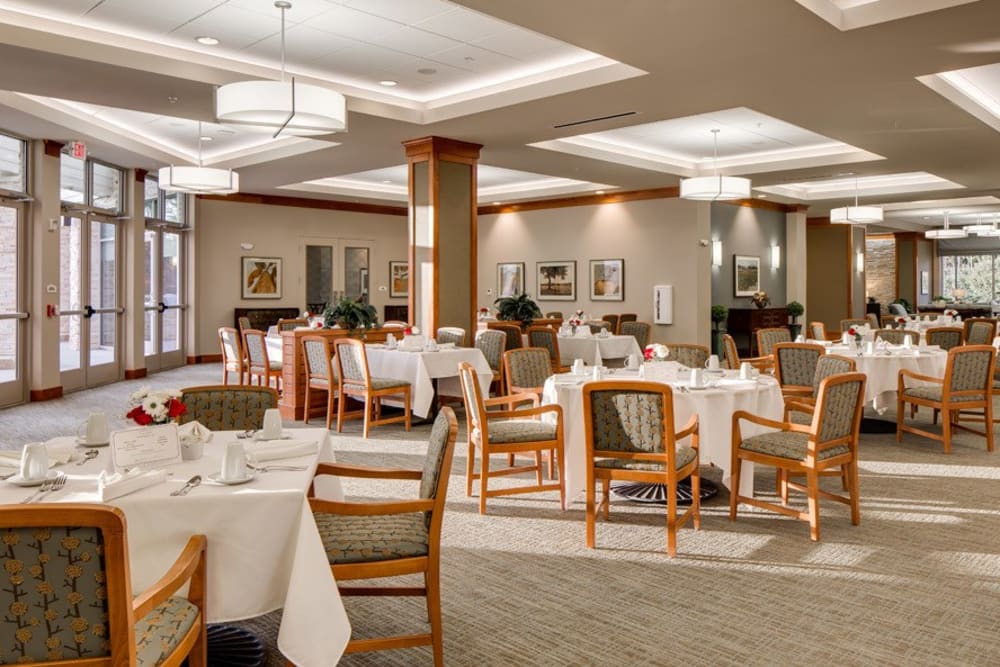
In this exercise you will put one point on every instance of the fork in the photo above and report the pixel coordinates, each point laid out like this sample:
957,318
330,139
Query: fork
270,468
46,487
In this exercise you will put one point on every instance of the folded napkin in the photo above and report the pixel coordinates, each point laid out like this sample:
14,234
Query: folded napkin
112,485
280,449
59,453
446,346
193,431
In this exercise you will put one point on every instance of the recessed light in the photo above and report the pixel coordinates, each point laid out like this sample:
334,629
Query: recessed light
496,203
388,83
172,99
762,196
207,41
427,70
598,192
206,138
387,182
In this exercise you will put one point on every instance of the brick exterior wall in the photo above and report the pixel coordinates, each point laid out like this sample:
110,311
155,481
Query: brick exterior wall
880,271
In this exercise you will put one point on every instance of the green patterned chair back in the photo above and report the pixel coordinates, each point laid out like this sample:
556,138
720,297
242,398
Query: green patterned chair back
511,331
829,365
853,322
838,409
437,462
898,336
627,317
244,323
595,327
638,330
292,324
318,357
229,340
730,352
613,320
795,363
945,337
352,362
527,368
545,337
817,331
980,331
473,398
686,354
454,335
628,420
491,343
768,338
228,408
970,369
256,348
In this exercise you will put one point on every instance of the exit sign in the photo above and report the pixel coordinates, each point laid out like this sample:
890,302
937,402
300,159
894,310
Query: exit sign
78,149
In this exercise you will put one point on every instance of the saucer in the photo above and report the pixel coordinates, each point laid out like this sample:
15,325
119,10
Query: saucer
217,477
698,387
84,443
20,481
717,371
285,435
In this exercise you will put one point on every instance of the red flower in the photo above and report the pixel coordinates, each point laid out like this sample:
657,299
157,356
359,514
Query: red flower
139,416
852,331
317,325
408,330
175,408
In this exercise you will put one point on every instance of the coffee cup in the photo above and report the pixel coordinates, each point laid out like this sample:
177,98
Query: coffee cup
271,428
234,462
94,429
746,371
713,363
34,461
578,368
192,450
632,361
697,377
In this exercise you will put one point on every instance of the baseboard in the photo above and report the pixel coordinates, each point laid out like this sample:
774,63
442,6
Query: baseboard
45,394
135,373
205,359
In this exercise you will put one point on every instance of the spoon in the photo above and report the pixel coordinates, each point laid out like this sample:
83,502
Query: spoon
87,455
188,485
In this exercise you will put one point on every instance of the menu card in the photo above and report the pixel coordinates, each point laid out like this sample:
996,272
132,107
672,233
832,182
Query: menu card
147,447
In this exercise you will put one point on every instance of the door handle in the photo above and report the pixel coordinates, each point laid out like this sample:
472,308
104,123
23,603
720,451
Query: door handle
88,311
163,307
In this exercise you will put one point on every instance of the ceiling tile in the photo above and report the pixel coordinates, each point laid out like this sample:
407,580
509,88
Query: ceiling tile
474,59
56,8
408,12
235,28
464,25
354,24
301,11
523,44
414,41
302,45
166,17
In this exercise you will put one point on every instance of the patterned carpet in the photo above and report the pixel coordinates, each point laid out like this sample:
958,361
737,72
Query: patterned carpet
917,583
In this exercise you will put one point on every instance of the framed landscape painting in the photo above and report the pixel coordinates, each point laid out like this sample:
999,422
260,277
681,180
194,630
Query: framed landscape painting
261,277
556,281
399,279
510,279
607,280
746,275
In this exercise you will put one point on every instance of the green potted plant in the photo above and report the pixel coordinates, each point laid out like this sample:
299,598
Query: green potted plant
351,315
518,308
795,310
720,314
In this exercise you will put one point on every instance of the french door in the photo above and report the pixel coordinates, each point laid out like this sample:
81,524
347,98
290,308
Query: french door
13,311
164,300
90,312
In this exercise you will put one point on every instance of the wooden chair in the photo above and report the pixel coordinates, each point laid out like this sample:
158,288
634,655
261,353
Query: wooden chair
967,385
630,434
258,363
979,330
733,360
554,315
898,336
846,324
546,337
510,432
596,327
817,331
233,360
795,367
511,331
526,370
829,442
888,321
356,381
945,337
291,324
491,343
244,324
769,337
626,317
688,354
227,408
389,538
613,320
317,358
83,586
799,409
638,330
454,335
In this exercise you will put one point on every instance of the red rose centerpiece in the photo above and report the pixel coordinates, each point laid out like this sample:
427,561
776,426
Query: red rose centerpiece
157,406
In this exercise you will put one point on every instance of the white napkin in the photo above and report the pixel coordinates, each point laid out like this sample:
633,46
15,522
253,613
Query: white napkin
446,346
193,431
59,453
280,449
112,485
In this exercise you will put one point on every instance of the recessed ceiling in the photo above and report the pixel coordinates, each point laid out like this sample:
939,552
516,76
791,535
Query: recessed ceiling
864,186
851,14
974,89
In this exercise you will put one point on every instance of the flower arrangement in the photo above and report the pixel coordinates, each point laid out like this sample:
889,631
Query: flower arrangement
411,331
901,321
951,312
656,352
577,319
484,313
760,299
158,406
857,338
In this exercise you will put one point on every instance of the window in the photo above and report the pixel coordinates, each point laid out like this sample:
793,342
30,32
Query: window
13,164
152,198
164,206
94,184
72,181
976,274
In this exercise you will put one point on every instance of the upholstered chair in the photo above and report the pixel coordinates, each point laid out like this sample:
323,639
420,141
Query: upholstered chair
799,409
631,436
638,330
67,594
357,382
244,324
898,336
846,324
688,354
491,343
454,335
511,331
768,338
945,337
233,360
597,327
227,408
795,367
258,363
817,331
613,320
389,538
291,324
829,442
554,315
967,386
526,370
733,360
980,330
626,317
546,337
317,360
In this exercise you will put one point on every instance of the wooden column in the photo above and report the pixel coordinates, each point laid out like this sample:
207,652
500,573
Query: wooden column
442,224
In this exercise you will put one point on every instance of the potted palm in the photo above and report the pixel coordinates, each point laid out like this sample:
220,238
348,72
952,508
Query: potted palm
795,310
351,315
518,308
719,315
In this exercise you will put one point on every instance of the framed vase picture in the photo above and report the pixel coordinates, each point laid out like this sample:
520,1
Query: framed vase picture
746,275
556,281
607,280
510,279
261,277
399,279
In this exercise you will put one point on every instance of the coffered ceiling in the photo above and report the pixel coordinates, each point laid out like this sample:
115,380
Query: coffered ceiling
817,100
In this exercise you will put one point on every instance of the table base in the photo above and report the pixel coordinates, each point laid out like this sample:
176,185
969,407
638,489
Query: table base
229,646
872,425
644,492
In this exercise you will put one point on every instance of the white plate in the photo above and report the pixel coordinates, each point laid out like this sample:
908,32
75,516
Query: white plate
285,435
20,481
217,477
701,388
83,443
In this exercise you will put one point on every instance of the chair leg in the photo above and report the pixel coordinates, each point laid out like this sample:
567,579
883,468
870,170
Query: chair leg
672,520
900,406
538,467
406,408
850,472
470,464
562,478
591,514
812,482
734,481
484,475
340,412
606,497
330,395
432,583
306,409
368,413
946,431
988,424
696,498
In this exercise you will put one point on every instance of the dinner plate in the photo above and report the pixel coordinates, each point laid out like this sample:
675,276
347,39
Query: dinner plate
20,481
217,477
285,435
85,443
701,388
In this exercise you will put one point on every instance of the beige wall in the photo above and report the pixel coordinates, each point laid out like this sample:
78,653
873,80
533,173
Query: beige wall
657,238
278,231
827,247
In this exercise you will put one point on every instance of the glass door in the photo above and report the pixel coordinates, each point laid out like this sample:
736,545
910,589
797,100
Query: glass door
13,314
89,311
164,305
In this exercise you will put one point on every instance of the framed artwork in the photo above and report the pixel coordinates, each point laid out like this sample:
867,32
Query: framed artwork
399,279
510,279
261,277
556,281
925,282
746,275
607,280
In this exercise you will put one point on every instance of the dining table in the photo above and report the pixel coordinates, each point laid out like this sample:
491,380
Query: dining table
714,406
594,349
882,367
264,549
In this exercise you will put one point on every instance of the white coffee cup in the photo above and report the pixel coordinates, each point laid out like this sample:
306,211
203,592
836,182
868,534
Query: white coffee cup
234,462
746,371
697,377
597,374
271,429
578,368
632,361
192,450
390,341
34,461
94,429
713,363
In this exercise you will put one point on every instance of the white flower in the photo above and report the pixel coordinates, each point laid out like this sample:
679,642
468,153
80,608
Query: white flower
155,406
139,394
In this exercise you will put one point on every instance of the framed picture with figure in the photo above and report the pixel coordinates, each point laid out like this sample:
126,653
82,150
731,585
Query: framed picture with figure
261,277
607,280
746,275
399,279
510,279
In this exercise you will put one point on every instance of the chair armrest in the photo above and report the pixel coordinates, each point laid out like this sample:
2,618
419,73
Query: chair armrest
529,412
511,399
795,392
347,470
191,559
371,508
764,421
690,428
906,372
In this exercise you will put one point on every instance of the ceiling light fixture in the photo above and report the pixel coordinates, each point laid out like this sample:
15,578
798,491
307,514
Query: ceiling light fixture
199,180
207,41
716,186
979,229
388,83
947,232
282,106
856,215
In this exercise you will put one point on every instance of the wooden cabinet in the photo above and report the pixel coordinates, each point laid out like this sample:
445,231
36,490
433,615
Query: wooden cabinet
743,324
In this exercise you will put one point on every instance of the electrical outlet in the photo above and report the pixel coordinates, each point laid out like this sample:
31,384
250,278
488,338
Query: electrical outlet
382,288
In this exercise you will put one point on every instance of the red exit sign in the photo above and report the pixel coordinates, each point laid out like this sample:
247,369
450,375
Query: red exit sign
78,149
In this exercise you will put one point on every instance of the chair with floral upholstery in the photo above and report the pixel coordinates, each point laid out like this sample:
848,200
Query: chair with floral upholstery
291,324
491,344
356,381
67,594
233,360
733,360
799,409
817,331
227,408
454,335
526,370
898,336
638,330
554,315
688,354
546,337
317,361
511,331
829,442
631,436
795,367
945,337
979,330
389,538
851,322
769,337
967,386
511,431
258,363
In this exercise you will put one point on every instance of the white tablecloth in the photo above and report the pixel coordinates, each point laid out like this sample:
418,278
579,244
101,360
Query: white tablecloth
595,349
273,345
422,368
883,370
714,407
264,551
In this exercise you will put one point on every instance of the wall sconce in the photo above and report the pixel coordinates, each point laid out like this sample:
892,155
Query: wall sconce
860,262
775,257
716,253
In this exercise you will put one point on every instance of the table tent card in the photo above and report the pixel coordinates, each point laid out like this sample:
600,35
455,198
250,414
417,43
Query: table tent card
146,447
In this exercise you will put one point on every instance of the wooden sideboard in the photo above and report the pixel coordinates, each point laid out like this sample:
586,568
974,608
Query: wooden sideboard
262,318
743,324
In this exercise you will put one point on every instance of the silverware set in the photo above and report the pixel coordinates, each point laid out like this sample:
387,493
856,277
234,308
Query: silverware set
190,484
47,487
87,455
277,467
